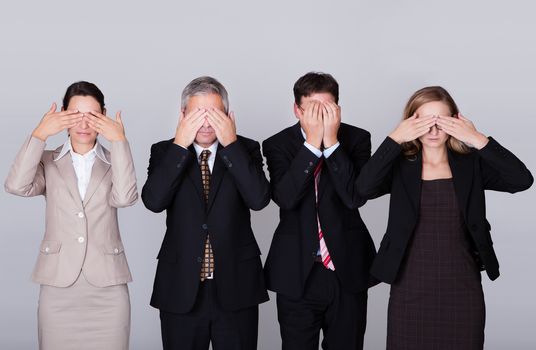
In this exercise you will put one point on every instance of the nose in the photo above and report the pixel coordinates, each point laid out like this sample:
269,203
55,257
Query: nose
434,130
206,124
83,123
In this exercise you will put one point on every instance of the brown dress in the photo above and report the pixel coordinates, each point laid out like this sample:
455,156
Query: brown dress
437,303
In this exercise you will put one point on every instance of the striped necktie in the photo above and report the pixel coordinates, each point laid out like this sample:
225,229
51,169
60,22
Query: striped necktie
326,258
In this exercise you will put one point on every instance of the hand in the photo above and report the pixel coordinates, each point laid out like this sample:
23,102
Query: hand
188,127
112,130
412,128
312,124
462,129
223,125
332,122
53,122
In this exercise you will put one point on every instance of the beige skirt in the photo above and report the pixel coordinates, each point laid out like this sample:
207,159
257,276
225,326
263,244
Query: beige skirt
83,316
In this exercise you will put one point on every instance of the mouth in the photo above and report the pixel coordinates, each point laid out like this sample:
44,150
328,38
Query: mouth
83,133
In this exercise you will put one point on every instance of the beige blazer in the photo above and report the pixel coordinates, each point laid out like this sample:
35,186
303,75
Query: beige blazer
80,236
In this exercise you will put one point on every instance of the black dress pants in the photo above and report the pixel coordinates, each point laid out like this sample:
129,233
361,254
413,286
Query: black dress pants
325,306
207,322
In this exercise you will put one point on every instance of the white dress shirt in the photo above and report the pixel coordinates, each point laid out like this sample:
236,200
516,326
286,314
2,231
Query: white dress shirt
326,152
211,158
83,164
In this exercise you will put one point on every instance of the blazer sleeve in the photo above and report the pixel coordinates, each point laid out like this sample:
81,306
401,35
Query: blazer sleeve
502,170
246,166
289,176
124,187
345,169
27,174
167,166
377,174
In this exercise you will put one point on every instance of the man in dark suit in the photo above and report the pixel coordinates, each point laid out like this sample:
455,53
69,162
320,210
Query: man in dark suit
209,278
321,251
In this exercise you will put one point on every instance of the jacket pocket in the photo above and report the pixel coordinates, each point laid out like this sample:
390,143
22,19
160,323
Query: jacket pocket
50,247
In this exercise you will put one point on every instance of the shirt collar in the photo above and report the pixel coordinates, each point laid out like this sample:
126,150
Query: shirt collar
97,150
213,149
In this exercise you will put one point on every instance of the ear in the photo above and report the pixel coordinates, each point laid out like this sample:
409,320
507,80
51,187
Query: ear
297,111
104,111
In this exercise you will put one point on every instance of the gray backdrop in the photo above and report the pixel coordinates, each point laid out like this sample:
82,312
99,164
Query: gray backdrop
380,51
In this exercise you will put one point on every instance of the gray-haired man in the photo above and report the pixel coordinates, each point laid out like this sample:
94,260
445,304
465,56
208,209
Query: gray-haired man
209,278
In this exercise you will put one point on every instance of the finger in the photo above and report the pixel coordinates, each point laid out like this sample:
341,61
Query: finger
220,113
333,109
94,125
214,119
67,112
217,116
232,116
52,108
316,110
100,115
193,114
118,117
72,118
196,115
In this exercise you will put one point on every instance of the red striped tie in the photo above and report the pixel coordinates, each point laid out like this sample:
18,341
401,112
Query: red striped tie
326,258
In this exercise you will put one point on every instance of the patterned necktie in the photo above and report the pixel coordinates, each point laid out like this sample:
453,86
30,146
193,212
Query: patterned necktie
326,258
207,268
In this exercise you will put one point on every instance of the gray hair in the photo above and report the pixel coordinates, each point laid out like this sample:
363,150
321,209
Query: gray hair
203,86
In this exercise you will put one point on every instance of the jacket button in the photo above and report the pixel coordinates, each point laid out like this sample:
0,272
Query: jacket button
314,254
47,249
81,215
179,165
311,163
81,239
199,259
306,171
204,226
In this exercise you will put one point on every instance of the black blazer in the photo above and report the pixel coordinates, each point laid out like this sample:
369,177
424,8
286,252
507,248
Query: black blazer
389,171
295,242
238,184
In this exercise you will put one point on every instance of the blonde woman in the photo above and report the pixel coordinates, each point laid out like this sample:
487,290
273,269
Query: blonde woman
436,165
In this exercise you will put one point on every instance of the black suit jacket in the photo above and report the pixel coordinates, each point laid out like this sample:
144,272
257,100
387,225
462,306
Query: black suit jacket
238,184
295,242
389,171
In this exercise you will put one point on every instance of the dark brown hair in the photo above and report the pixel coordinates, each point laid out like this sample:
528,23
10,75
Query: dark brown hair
83,88
315,82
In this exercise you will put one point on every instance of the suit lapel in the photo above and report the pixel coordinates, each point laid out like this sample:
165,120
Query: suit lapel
66,170
98,171
411,171
218,173
194,173
462,178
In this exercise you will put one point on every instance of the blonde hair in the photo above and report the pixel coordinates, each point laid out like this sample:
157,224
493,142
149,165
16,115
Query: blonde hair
419,98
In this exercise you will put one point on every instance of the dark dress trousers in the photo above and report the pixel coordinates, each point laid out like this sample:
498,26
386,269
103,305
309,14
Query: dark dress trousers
389,171
238,184
295,244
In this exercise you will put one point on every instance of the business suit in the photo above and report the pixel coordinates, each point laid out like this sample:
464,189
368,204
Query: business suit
291,261
436,242
237,185
82,237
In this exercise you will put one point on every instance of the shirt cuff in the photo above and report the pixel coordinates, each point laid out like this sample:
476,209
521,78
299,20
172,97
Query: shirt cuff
313,149
328,151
